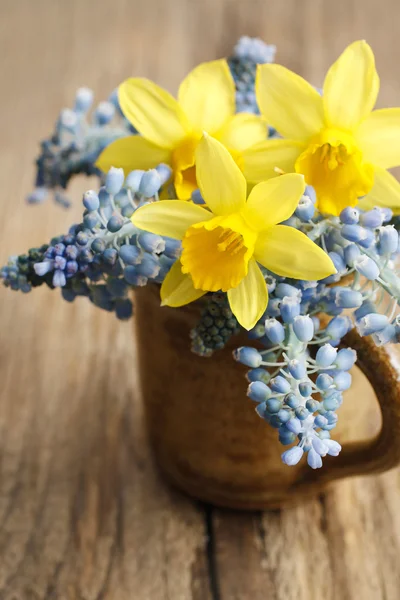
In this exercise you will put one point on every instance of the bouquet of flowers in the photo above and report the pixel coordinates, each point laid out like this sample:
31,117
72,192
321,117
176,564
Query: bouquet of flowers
255,191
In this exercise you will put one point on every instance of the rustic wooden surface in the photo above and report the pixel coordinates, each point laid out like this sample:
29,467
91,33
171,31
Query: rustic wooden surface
83,513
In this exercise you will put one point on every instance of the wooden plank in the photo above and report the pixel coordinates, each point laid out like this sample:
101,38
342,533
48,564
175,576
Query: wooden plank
83,512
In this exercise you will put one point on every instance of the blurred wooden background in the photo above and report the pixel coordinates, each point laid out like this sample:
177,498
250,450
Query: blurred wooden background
83,512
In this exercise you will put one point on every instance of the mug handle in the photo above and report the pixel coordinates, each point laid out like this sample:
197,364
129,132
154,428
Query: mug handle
381,366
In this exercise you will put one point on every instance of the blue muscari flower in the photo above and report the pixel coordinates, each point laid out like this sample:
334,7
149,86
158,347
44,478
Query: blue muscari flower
314,460
294,425
274,330
385,336
131,255
285,289
148,267
348,298
372,218
326,355
280,385
305,389
104,113
290,308
342,381
351,252
303,328
133,180
151,243
388,240
338,327
354,233
334,448
258,391
324,381
338,261
248,356
366,307
297,368
367,266
164,172
371,323
292,400
150,183
350,215
345,359
83,99
293,456
258,374
114,181
197,198
173,248
273,405
305,209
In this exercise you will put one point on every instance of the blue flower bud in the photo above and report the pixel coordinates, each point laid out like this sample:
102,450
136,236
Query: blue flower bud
59,279
305,208
388,240
292,400
82,238
151,243
59,262
104,113
133,180
83,99
131,255
371,323
338,327
280,385
91,200
354,233
319,446
110,256
368,239
91,220
342,381
303,328
258,391
323,381
345,359
114,180
104,198
320,421
273,308
372,218
313,459
286,438
275,331
331,402
115,223
150,183
292,456
258,374
248,356
302,413
326,355
290,308
172,247
387,213
68,120
261,410
284,415
366,266
305,389
148,267
334,448
285,289
71,267
164,171
312,405
297,368
385,336
273,405
197,198
338,262
349,215
351,252
348,298
42,268
294,425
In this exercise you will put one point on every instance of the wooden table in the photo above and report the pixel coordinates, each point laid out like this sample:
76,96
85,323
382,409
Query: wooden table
83,512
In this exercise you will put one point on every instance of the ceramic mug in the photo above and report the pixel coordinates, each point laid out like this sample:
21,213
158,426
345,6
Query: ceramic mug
208,439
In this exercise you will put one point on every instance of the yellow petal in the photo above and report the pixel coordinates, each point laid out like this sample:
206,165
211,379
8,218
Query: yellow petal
261,161
220,180
207,96
178,289
242,131
385,192
379,138
153,112
273,201
288,102
169,217
351,87
249,299
290,253
132,152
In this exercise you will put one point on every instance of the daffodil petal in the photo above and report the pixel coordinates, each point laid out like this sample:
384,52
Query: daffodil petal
220,180
207,95
379,138
290,253
178,289
169,217
266,159
385,192
273,201
132,152
249,299
351,87
243,131
153,112
288,102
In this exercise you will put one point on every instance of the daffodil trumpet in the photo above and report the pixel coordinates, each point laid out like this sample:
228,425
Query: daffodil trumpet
170,130
223,245
336,140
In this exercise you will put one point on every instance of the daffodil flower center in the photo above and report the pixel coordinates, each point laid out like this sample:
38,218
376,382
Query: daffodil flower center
216,253
333,164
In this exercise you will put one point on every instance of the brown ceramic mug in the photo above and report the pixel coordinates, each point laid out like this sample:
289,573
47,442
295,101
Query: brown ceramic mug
209,441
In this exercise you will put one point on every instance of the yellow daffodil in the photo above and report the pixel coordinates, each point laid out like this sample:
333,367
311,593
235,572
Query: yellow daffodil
222,246
335,140
171,129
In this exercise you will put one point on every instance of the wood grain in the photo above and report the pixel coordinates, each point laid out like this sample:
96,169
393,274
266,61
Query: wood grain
83,511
